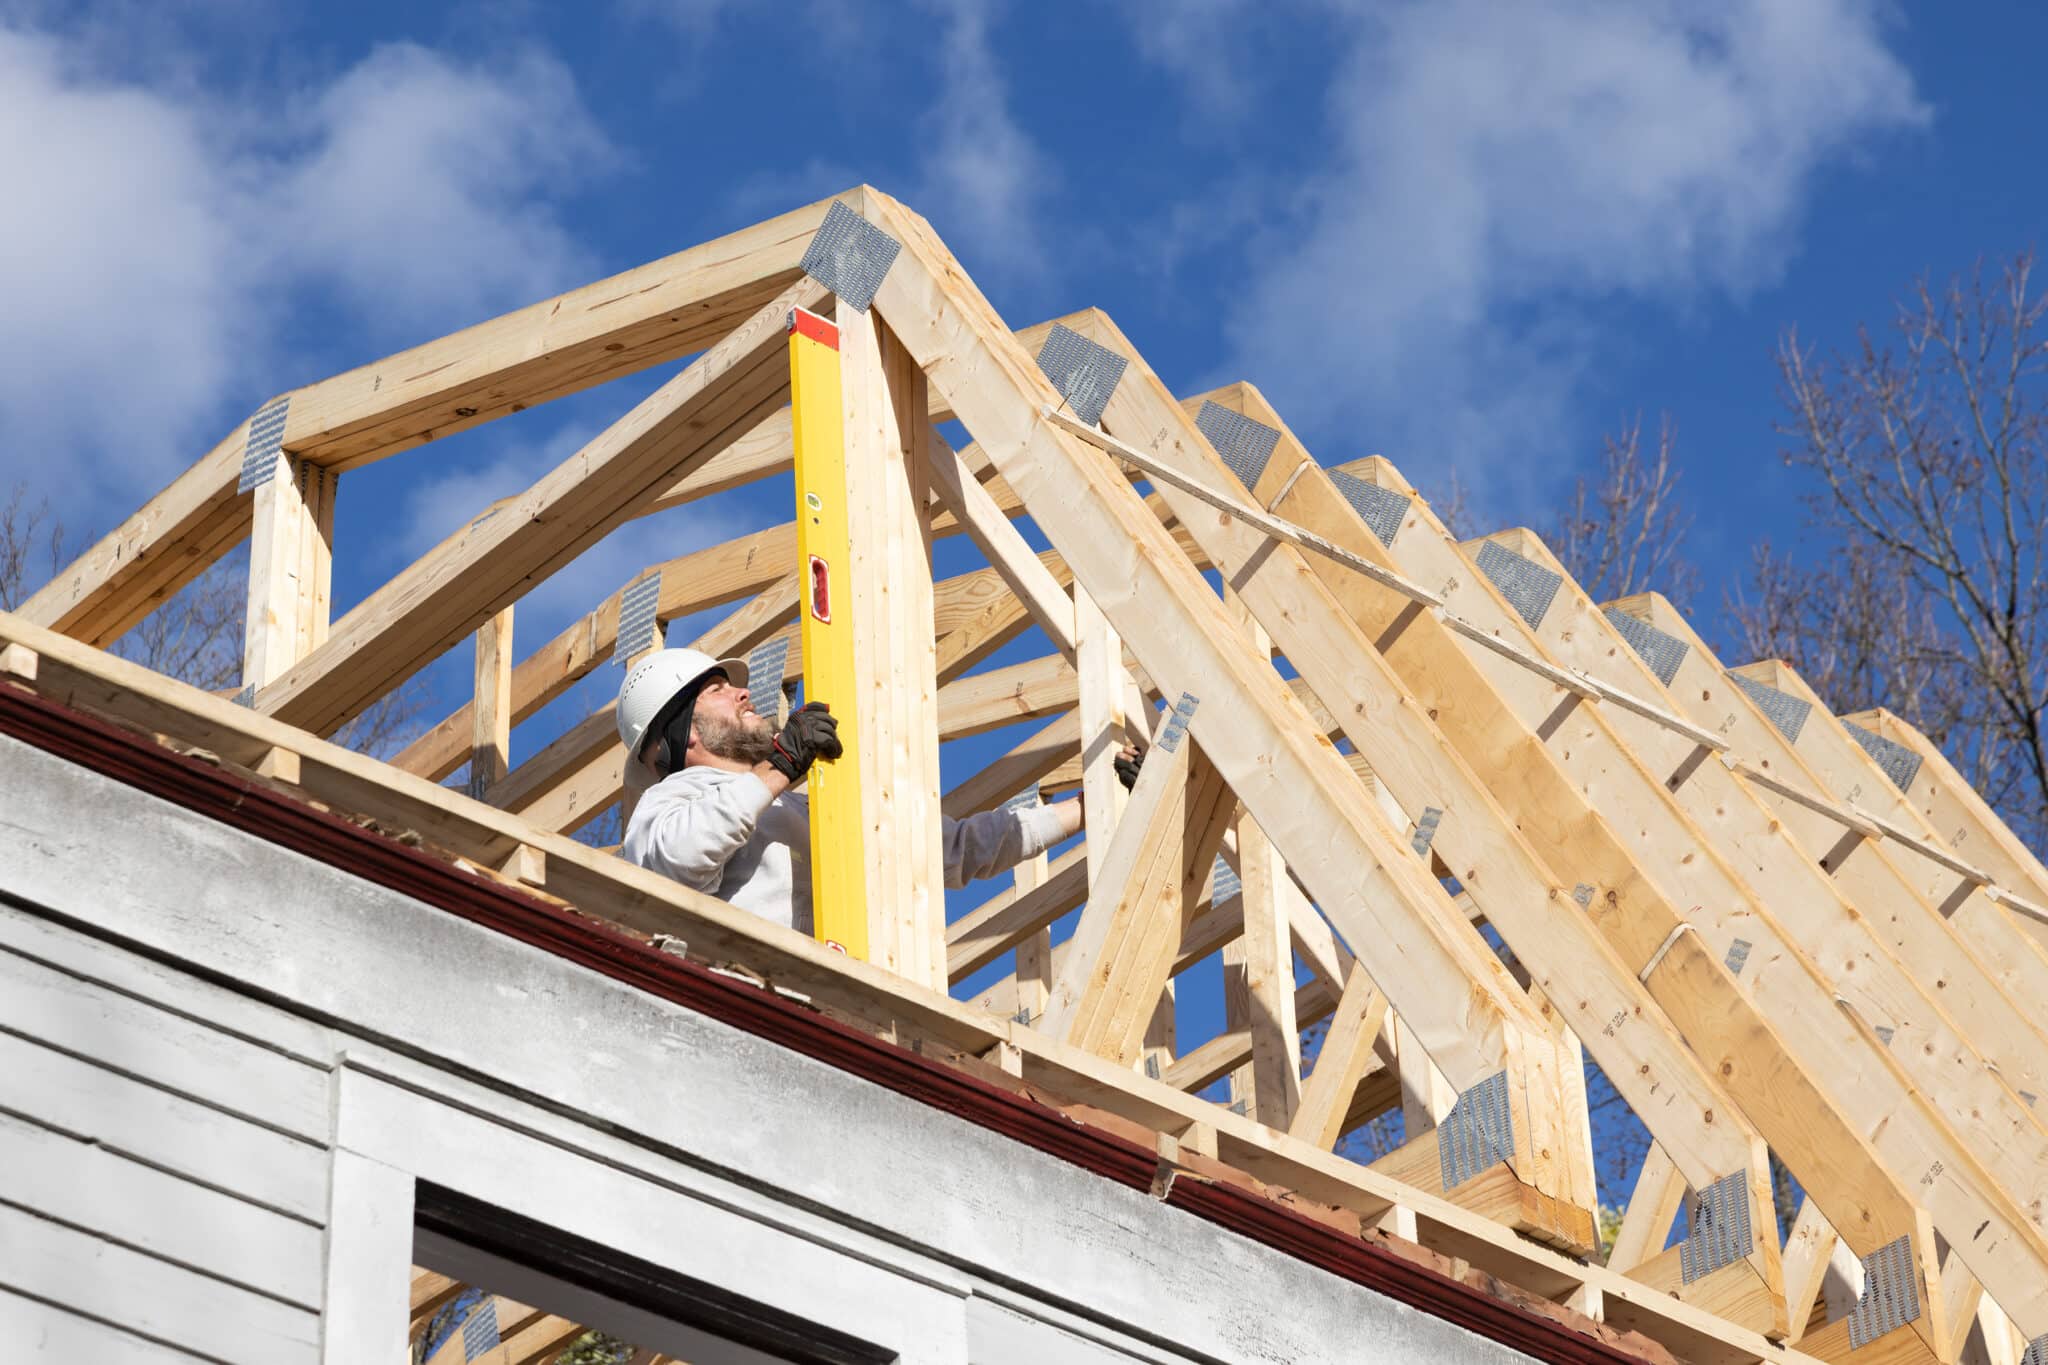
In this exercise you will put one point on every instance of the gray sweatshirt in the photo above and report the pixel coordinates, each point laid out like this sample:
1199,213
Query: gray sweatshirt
721,833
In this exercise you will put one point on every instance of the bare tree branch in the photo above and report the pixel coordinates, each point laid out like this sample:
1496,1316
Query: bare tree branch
1932,483
1625,534
196,637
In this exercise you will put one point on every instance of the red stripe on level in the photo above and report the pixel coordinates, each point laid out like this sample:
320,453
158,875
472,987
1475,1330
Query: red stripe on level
94,744
808,324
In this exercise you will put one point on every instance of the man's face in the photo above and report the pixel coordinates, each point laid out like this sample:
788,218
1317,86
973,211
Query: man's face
725,723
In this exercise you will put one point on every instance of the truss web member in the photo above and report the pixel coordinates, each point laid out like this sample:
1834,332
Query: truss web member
718,813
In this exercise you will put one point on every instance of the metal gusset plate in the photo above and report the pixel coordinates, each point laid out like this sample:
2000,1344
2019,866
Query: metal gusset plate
266,438
1478,1133
480,1333
850,256
1662,652
1720,1233
1891,1295
1787,712
1900,764
1738,955
1246,446
1085,373
1224,883
638,629
1529,587
1425,830
767,668
1381,509
1177,723
2037,1351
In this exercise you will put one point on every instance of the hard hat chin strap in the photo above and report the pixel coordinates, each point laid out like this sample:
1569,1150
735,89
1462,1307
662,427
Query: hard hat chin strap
670,730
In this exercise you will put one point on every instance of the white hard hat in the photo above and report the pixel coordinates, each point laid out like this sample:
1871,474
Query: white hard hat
653,683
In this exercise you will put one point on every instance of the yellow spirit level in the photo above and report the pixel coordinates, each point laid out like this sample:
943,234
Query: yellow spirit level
838,872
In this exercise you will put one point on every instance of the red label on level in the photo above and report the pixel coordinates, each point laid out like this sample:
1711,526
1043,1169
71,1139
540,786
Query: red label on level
821,591
806,323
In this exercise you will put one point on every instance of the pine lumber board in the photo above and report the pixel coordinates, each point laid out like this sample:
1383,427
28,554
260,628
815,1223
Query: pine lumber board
888,595
1118,958
1269,981
1756,1057
1260,739
490,751
1960,818
1577,969
1342,1062
1845,766
1027,763
486,566
1310,633
1810,911
1652,1206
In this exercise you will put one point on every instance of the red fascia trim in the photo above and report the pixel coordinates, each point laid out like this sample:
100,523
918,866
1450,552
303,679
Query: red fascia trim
805,323
232,800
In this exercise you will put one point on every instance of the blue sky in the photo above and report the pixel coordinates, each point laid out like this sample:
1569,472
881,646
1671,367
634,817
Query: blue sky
1465,235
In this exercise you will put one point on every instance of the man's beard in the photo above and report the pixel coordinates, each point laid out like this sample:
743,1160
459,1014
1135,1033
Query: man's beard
746,740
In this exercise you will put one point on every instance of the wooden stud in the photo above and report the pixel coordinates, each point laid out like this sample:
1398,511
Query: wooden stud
1134,888
1809,1247
270,638
1345,1057
1034,972
490,749
1005,547
18,661
888,595
1098,664
1659,1194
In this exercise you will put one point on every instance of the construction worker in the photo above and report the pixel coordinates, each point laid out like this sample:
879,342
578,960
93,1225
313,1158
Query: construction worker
718,813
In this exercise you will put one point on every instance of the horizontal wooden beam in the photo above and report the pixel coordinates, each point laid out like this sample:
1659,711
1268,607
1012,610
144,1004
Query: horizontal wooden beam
653,313
489,564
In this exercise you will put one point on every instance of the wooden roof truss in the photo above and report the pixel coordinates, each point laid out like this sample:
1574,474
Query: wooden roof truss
1775,930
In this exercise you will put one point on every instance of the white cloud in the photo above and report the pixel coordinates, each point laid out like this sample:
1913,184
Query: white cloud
159,244
981,178
1500,169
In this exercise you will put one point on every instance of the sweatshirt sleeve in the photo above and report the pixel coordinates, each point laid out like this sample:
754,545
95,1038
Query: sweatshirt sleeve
995,840
692,835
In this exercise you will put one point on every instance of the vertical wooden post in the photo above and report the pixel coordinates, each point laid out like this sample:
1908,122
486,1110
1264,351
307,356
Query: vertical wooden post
1425,1095
889,596
1161,1035
1103,685
1268,980
490,746
1347,1050
290,569
1034,954
317,488
1659,1191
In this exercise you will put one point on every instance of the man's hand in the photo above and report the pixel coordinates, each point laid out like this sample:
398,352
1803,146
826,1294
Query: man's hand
811,733
1129,760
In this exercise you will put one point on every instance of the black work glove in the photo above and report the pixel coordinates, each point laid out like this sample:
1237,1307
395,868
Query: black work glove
1127,764
811,733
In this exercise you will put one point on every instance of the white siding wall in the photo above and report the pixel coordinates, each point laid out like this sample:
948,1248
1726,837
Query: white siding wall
189,1162
163,1152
